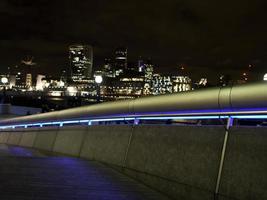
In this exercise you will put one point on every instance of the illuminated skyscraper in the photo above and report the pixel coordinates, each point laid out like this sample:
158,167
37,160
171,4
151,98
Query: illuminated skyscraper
141,65
81,62
183,83
161,84
148,76
120,60
107,69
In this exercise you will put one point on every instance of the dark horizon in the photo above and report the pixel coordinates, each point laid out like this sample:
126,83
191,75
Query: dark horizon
208,38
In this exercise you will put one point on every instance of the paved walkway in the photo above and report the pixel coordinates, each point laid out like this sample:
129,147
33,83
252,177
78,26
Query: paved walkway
29,174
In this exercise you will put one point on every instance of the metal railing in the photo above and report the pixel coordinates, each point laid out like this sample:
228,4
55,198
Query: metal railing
248,101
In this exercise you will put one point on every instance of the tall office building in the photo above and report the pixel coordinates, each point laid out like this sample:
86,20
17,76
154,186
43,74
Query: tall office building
141,65
148,77
81,62
20,73
161,84
107,69
120,60
182,83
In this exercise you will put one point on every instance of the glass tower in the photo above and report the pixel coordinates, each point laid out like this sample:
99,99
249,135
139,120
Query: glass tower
120,60
81,62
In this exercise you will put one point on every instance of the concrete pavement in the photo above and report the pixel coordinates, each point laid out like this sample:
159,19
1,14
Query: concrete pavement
30,174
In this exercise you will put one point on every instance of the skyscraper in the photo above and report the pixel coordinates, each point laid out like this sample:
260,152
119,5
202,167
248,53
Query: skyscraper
141,67
107,68
148,76
161,84
120,60
81,62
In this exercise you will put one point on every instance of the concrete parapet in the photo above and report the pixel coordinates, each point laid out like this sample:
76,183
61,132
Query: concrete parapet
15,136
69,140
28,137
4,137
107,143
181,161
45,138
244,174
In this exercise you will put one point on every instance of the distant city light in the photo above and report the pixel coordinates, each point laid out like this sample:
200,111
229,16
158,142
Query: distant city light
47,85
61,84
4,80
98,79
56,93
72,91
265,77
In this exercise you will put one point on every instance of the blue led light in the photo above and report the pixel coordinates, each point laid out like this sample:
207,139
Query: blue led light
20,126
106,120
112,119
6,127
47,123
56,123
136,120
70,122
84,121
250,117
38,124
182,118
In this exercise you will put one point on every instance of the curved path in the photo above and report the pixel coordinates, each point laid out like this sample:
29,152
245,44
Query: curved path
29,174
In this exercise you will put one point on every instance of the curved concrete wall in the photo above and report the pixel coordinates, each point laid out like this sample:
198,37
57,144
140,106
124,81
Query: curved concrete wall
4,136
180,161
46,138
107,144
28,137
15,137
185,157
245,169
69,140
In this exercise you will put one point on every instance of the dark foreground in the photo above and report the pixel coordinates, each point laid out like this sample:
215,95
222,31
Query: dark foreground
28,174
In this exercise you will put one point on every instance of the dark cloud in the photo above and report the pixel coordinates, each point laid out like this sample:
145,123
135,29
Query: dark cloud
210,37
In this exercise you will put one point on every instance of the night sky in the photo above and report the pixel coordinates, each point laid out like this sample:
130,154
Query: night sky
208,37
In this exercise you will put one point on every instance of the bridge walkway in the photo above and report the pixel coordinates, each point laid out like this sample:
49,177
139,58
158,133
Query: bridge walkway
33,175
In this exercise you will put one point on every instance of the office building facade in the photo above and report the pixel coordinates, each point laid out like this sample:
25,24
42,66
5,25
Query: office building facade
81,62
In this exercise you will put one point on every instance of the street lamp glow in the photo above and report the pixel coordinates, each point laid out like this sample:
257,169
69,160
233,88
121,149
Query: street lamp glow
71,89
265,77
4,80
98,79
61,84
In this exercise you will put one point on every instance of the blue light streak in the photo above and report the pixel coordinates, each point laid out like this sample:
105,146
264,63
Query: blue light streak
112,119
70,122
84,121
182,118
134,119
250,117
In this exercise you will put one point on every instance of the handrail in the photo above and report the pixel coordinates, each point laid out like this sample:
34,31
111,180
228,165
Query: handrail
247,100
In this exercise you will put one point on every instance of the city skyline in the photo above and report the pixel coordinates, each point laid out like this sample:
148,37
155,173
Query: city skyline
210,38
181,69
